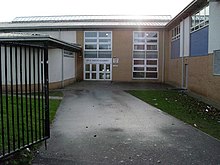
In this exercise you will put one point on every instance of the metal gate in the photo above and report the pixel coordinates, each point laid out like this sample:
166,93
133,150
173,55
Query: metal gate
24,100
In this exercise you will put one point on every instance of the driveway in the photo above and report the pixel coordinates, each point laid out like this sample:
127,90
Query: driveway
99,123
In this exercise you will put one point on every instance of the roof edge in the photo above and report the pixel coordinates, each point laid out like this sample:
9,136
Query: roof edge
94,18
185,12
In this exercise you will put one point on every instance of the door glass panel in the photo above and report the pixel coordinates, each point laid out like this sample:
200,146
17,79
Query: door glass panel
101,75
87,75
93,75
107,76
87,67
98,72
108,68
93,67
101,67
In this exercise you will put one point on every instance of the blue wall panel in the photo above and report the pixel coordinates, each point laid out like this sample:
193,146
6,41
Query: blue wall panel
175,49
199,42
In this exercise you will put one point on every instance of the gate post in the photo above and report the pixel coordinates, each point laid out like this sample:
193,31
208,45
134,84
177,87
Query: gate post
46,92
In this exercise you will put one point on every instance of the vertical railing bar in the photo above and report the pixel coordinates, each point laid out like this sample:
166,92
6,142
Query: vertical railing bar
16,77
39,91
35,113
46,83
42,96
26,95
6,98
21,87
12,98
1,101
30,97
30,80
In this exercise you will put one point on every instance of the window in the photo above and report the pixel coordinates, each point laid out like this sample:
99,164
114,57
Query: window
144,41
69,54
216,62
97,44
90,54
98,55
200,19
176,33
145,55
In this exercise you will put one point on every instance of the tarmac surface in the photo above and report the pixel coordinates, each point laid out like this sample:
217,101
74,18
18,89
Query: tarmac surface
99,123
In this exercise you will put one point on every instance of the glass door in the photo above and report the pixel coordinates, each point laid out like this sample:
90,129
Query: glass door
104,71
97,72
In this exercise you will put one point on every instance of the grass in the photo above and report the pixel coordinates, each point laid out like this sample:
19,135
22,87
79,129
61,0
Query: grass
56,93
185,108
27,117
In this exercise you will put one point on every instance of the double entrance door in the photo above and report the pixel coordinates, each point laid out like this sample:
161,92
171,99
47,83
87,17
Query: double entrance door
97,71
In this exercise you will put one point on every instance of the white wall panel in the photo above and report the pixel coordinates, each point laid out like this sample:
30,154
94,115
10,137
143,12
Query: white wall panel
181,38
55,65
184,37
69,67
214,24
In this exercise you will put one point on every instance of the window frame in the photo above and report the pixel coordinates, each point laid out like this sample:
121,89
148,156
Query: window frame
196,22
98,42
216,52
175,33
145,38
145,41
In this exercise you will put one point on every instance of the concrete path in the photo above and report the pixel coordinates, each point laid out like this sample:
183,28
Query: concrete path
98,123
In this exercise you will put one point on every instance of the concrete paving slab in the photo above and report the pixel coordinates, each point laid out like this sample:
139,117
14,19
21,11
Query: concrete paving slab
99,123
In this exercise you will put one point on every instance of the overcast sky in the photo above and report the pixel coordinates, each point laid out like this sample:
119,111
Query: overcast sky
14,8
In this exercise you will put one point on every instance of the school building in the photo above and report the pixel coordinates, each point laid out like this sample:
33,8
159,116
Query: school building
183,51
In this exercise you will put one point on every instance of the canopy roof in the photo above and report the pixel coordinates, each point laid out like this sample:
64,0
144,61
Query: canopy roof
39,40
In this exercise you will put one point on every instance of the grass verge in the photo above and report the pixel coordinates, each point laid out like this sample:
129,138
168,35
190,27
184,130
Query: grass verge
183,107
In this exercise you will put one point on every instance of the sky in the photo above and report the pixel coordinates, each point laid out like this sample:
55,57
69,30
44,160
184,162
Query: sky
15,8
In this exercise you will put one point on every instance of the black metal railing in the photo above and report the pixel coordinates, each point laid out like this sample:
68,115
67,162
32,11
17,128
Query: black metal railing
24,100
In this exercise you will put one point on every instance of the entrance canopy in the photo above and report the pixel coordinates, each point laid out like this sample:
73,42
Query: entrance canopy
38,40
